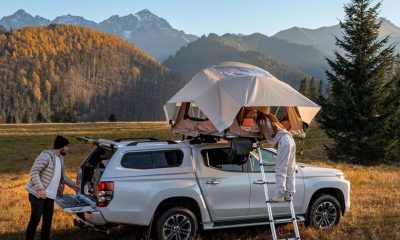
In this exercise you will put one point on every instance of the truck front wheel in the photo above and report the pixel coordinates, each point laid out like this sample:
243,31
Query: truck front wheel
324,213
176,223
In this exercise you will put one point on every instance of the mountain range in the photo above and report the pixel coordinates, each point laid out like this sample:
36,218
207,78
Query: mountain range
144,29
323,38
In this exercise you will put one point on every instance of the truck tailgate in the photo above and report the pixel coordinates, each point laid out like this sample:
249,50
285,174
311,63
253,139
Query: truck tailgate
75,203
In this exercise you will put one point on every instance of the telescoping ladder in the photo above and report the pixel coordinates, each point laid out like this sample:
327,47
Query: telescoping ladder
268,201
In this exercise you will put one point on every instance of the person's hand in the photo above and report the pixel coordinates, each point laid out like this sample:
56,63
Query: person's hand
42,194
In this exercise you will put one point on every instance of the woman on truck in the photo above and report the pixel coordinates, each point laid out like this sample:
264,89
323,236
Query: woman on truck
279,137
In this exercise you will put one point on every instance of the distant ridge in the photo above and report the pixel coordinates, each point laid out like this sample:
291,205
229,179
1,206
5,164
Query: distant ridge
323,38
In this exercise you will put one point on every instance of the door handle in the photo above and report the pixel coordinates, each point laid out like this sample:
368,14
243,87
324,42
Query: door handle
260,182
212,181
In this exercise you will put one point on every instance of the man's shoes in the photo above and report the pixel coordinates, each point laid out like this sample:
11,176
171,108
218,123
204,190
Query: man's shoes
288,196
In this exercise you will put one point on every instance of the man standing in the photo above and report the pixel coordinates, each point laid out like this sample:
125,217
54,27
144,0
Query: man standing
46,182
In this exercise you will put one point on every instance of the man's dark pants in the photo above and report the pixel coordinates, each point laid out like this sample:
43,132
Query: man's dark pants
40,207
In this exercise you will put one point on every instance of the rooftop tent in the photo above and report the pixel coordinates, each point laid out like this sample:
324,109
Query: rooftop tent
217,94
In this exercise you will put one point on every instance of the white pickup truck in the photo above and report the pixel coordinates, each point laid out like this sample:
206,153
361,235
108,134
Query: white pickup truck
176,188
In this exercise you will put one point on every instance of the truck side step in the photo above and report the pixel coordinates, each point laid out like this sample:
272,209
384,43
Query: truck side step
247,223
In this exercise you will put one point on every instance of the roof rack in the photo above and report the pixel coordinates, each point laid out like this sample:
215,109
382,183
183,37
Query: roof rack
134,139
114,144
153,140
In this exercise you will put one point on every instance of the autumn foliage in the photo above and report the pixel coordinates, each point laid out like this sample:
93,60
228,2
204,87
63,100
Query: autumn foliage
47,73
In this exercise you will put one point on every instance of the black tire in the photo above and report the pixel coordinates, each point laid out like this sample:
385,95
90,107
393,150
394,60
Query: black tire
176,221
324,212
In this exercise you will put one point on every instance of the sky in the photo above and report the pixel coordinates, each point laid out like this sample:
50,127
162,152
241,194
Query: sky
205,16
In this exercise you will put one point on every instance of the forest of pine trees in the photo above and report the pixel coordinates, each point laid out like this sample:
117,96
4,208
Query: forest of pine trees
311,88
69,73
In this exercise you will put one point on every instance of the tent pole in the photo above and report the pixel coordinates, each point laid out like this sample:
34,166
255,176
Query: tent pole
267,200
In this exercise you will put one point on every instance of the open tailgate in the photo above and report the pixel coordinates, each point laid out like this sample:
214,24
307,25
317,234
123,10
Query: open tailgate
75,203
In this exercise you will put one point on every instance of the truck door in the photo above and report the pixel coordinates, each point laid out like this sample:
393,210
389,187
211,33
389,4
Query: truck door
225,186
258,206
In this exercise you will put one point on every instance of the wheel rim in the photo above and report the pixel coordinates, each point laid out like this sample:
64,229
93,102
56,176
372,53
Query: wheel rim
177,227
325,215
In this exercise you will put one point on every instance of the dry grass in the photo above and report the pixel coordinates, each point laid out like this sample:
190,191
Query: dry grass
374,214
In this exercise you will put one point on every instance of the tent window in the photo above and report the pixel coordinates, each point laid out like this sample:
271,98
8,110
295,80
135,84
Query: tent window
218,158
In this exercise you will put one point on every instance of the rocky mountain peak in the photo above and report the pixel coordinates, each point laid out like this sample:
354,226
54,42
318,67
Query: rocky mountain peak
21,19
147,19
21,12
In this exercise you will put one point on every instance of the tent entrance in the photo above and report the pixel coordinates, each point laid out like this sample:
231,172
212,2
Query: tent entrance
191,121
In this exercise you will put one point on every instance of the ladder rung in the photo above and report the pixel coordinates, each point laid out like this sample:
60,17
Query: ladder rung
295,238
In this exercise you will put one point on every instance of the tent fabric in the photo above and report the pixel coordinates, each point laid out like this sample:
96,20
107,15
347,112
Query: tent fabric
220,91
192,127
295,122
247,121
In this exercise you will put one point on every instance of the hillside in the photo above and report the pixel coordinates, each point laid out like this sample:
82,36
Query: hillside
305,58
211,50
68,73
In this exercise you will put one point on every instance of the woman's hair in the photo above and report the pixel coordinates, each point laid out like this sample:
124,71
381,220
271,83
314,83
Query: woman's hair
275,123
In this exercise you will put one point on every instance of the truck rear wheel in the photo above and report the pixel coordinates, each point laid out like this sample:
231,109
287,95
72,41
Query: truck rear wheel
176,223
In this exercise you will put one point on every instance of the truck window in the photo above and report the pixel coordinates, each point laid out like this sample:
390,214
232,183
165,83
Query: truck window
218,158
150,160
269,159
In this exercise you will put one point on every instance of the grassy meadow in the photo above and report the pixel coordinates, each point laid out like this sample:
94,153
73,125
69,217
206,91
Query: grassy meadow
375,193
